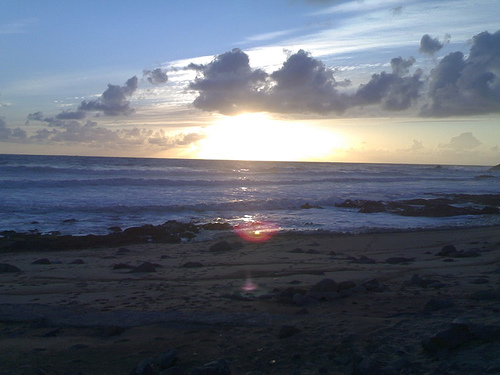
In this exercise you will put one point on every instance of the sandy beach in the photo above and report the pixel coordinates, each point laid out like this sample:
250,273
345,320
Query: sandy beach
382,303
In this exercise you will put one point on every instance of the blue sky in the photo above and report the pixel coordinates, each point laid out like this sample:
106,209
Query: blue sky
357,74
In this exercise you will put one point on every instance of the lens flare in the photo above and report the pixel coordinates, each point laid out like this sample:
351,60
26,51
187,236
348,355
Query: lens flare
256,231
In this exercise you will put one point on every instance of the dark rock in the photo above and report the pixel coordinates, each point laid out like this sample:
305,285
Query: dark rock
447,251
192,265
287,295
41,261
123,250
287,331
346,285
145,267
480,281
486,295
4,268
297,250
175,370
220,246
452,338
495,168
218,367
304,300
110,331
308,206
399,260
369,207
423,283
326,289
146,367
115,229
373,285
166,360
77,261
471,253
437,304
52,333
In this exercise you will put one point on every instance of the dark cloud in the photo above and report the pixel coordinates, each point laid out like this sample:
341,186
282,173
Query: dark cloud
228,84
430,46
71,115
397,10
303,84
461,85
156,77
9,134
113,101
37,116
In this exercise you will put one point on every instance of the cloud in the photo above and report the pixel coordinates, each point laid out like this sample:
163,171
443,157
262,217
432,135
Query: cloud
430,46
37,116
157,76
417,145
71,115
464,141
228,84
461,86
113,101
8,134
303,84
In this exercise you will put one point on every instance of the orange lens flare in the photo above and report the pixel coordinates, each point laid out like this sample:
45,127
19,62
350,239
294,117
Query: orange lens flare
256,231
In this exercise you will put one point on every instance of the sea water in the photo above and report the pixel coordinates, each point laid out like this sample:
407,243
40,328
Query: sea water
88,195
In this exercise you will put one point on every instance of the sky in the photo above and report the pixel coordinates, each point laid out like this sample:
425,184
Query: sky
381,81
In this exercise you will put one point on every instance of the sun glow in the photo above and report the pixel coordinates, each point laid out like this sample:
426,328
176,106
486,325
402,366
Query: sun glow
257,136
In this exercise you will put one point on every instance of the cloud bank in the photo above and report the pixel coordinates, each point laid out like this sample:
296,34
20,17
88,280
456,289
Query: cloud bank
457,86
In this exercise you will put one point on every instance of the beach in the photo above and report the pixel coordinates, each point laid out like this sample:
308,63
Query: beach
406,302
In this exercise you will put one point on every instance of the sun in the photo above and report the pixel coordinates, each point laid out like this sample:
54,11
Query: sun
257,136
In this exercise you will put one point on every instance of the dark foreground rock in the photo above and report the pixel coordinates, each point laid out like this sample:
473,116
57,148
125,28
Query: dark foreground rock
170,232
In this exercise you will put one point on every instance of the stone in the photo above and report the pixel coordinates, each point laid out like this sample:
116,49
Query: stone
77,261
7,268
287,295
144,368
373,285
145,267
218,367
220,246
41,261
452,338
346,285
121,266
166,360
447,250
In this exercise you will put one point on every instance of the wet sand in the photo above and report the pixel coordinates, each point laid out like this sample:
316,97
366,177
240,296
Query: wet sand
256,306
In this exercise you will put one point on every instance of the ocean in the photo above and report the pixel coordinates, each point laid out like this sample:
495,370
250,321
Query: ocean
88,195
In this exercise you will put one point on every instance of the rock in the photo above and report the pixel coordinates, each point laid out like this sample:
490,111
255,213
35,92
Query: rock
326,289
302,300
452,338
423,283
144,368
308,206
370,207
41,261
220,246
399,260
287,331
166,360
218,367
373,285
364,260
192,265
123,250
447,250
145,267
297,250
345,286
495,168
176,370
5,268
437,304
287,295
77,261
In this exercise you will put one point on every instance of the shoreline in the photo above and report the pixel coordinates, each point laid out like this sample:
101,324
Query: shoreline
316,303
